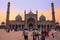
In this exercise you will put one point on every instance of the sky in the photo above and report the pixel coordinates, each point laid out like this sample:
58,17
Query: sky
18,7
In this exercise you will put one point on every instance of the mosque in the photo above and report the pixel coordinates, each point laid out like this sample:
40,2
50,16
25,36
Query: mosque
30,20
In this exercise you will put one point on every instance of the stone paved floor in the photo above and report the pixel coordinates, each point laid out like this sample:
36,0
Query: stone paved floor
19,36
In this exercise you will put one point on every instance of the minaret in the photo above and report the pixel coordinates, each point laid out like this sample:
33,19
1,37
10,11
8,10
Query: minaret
25,18
37,14
24,14
36,18
53,12
7,15
36,11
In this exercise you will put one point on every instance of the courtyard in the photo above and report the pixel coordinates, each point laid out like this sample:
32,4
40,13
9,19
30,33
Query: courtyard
18,35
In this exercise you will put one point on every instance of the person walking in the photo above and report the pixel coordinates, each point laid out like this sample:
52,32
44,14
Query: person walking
42,36
35,34
25,33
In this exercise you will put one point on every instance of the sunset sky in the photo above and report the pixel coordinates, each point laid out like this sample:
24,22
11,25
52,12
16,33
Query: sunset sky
18,7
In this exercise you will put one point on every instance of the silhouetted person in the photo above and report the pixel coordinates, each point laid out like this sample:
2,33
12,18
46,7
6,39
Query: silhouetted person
42,36
46,32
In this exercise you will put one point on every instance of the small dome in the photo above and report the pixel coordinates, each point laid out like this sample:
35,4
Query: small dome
3,22
18,18
42,18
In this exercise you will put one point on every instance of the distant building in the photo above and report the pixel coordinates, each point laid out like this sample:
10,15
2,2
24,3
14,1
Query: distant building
31,20
2,26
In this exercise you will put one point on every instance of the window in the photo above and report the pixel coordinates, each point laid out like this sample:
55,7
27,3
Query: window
22,26
19,26
13,26
47,26
50,26
16,26
38,26
10,25
41,26
44,26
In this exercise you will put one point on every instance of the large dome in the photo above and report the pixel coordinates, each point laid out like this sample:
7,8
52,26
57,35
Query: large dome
18,18
42,18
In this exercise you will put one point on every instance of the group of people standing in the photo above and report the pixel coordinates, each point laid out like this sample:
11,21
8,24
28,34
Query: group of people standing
36,34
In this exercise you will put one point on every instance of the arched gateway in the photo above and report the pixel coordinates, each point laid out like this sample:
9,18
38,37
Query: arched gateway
31,20
31,23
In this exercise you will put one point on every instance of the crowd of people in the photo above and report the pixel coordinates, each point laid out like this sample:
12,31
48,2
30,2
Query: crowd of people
40,35
36,34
